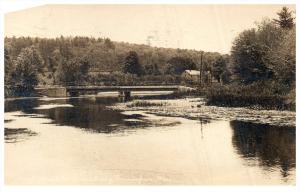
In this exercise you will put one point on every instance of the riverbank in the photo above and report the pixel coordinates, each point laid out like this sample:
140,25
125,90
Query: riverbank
263,95
196,108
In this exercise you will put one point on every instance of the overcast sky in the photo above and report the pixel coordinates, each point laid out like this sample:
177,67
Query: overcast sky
200,27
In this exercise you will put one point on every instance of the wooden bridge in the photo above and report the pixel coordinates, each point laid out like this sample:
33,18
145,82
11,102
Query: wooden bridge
124,91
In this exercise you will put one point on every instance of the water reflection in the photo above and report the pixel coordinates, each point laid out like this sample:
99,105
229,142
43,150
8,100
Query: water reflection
87,113
16,135
270,145
91,114
25,105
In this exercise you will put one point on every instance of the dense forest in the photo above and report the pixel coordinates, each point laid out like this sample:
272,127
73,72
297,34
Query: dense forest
91,61
260,69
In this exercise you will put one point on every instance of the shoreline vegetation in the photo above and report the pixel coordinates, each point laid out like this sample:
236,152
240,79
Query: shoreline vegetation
259,72
196,108
254,96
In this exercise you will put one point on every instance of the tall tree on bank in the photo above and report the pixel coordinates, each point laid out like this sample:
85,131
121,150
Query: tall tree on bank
286,19
283,59
250,52
73,72
247,55
131,64
24,75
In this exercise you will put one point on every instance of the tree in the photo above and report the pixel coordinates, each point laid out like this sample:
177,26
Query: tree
155,69
24,75
131,64
269,34
248,57
104,55
218,67
73,72
148,69
177,65
109,44
152,69
286,19
7,66
65,48
283,59
56,60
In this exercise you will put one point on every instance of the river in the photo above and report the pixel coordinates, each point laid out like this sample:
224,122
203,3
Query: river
100,141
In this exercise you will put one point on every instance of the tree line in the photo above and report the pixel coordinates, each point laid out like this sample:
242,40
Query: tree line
88,60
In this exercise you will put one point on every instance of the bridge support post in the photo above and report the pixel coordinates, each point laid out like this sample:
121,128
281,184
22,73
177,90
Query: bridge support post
127,95
124,95
121,93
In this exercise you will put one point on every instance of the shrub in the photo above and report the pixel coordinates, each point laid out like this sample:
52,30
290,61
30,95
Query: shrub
267,95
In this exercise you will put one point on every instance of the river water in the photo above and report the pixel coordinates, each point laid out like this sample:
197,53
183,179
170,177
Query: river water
84,141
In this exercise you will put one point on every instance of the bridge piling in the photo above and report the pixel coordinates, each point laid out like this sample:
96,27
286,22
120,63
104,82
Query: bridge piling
125,95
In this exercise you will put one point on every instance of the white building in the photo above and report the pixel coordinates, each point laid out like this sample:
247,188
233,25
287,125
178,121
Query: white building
191,75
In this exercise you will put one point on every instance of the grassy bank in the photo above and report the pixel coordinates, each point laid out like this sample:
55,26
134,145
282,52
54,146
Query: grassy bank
263,95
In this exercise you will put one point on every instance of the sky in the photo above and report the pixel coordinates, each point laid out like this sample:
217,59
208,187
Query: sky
200,27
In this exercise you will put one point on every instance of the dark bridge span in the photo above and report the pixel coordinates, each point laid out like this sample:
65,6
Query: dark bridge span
123,90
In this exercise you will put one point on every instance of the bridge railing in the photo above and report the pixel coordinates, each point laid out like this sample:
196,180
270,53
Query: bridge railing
112,85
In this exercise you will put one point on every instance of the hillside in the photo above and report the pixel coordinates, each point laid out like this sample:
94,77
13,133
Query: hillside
102,54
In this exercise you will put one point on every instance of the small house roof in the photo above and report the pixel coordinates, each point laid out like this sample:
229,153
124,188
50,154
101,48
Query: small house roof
192,72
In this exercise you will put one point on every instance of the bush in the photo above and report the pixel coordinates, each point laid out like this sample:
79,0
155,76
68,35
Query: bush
268,95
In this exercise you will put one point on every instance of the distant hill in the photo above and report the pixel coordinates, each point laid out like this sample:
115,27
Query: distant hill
102,54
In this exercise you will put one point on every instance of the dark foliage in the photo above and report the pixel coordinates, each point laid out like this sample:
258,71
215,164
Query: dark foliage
270,145
131,64
218,68
73,72
22,76
286,19
267,95
106,56
177,65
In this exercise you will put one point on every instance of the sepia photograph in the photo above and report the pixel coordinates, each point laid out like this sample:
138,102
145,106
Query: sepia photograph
150,94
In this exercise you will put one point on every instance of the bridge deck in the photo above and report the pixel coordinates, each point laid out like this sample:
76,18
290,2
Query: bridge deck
122,88
57,91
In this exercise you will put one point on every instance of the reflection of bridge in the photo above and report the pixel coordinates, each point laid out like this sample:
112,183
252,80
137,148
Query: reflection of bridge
124,91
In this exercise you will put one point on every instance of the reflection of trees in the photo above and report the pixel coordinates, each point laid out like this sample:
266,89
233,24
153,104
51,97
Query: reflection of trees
12,135
90,114
24,105
272,145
